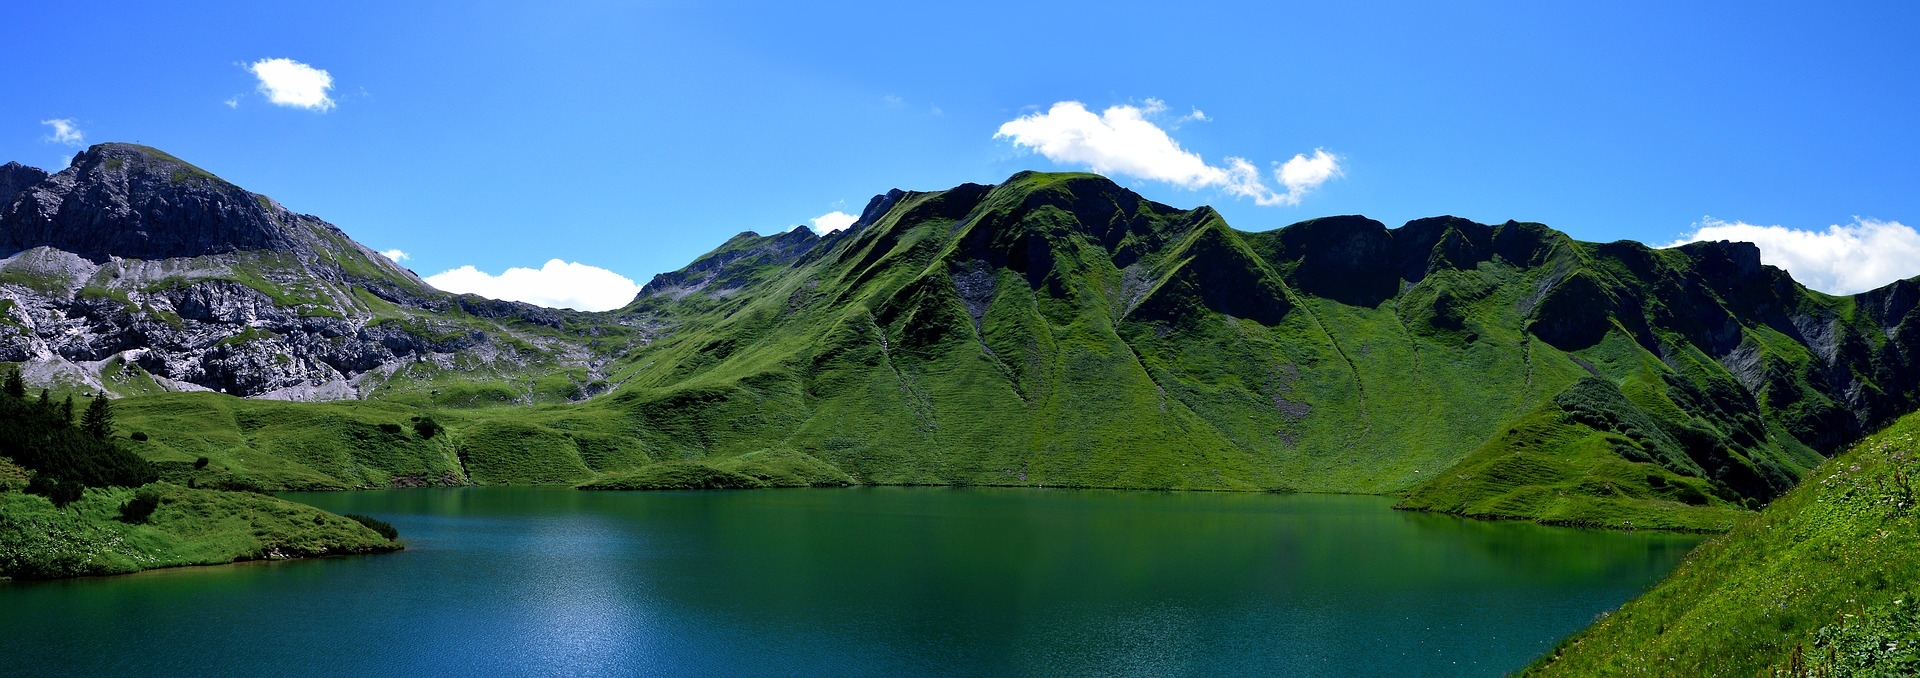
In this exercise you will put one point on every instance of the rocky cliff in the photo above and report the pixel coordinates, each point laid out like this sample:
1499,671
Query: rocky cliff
133,271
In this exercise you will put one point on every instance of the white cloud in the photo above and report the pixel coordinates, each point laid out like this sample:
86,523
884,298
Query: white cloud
233,102
1196,116
558,284
1303,174
1844,259
290,83
1122,141
832,221
64,132
396,255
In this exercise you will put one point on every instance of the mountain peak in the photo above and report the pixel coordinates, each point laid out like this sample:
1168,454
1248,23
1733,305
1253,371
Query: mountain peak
127,200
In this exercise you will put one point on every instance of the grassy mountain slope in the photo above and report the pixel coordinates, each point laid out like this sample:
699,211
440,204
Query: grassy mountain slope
1823,582
1059,330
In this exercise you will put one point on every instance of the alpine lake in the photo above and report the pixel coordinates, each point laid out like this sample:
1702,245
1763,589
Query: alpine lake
865,581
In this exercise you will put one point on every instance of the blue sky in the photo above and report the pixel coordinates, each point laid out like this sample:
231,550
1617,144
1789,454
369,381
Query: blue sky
634,136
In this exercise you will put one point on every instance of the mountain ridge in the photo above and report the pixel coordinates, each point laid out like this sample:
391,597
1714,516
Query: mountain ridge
1057,329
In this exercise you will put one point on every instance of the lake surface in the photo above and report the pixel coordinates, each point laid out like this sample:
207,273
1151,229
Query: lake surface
858,581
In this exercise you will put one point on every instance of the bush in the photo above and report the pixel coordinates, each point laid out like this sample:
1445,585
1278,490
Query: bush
426,427
200,463
66,492
377,525
141,507
139,436
390,429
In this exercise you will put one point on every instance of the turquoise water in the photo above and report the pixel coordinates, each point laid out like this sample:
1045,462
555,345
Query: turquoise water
860,581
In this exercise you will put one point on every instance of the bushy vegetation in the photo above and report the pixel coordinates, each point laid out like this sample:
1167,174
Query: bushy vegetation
1821,583
383,528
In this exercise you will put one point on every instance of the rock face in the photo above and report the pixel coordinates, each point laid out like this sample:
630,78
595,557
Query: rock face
133,270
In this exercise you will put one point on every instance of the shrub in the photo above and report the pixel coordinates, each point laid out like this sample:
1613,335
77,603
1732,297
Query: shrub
377,525
139,436
140,507
66,492
390,429
426,427
200,463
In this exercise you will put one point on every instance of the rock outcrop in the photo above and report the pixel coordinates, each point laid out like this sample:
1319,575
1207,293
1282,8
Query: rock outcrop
133,270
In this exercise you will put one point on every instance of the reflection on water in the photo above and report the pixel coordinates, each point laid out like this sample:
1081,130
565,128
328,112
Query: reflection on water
860,581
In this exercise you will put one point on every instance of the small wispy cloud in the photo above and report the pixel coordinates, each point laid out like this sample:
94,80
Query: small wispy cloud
1122,141
65,131
396,255
1843,259
293,84
232,102
832,221
558,284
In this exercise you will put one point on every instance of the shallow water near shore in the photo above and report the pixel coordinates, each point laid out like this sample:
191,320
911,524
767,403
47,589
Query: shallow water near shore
859,581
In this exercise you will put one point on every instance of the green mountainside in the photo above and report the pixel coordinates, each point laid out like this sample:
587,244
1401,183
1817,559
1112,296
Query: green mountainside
1058,330
1822,583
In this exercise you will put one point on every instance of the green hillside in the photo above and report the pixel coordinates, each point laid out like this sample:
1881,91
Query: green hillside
93,536
1821,583
1058,330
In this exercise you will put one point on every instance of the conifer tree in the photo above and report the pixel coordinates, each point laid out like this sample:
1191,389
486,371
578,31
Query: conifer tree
14,385
98,421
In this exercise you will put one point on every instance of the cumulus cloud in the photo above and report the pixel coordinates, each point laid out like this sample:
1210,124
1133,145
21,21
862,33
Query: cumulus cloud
396,255
65,132
558,284
832,221
1302,174
293,84
1843,259
1123,141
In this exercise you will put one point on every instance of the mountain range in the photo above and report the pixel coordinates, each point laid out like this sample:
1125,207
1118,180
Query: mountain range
1052,330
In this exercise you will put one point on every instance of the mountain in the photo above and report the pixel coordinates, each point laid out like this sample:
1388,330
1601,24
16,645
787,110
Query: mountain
133,271
1060,330
1052,330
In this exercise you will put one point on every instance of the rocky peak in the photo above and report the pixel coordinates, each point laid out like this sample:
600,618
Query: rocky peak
14,178
137,202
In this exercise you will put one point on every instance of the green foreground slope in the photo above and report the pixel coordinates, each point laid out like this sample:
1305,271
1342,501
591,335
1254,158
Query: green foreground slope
1821,583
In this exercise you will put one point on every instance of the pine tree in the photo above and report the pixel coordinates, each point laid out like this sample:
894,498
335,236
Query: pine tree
98,421
14,385
66,410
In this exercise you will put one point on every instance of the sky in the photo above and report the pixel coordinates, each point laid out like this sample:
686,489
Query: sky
565,153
